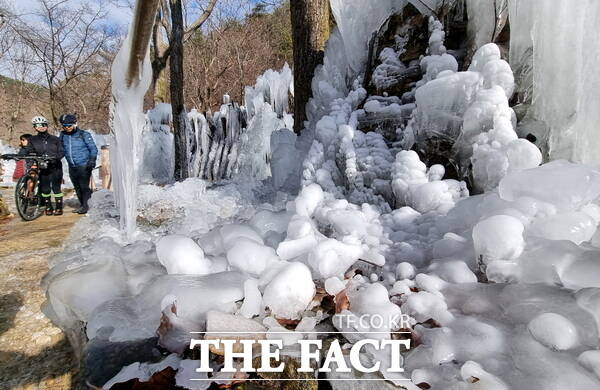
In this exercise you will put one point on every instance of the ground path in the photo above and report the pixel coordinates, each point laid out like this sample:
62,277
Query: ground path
34,354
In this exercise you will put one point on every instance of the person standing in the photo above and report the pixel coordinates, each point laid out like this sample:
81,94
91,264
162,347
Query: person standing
105,167
80,153
50,176
21,166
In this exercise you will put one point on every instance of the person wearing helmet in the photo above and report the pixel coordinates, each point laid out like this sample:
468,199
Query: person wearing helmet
80,152
50,177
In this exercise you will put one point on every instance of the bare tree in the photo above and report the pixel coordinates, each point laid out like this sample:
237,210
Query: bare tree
180,122
239,45
310,30
65,39
162,40
20,93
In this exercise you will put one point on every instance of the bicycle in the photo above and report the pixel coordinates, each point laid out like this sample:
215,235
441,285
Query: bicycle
28,200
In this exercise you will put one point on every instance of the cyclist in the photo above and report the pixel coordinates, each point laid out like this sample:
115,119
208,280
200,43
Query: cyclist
80,152
50,176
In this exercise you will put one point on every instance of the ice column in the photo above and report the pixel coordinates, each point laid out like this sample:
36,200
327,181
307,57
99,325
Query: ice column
127,124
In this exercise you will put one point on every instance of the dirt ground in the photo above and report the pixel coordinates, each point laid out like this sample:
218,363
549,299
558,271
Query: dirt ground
34,354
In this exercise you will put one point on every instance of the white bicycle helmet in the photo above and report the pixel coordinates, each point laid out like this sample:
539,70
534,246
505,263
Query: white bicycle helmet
39,120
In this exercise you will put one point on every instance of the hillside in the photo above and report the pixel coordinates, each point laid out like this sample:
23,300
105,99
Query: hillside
19,102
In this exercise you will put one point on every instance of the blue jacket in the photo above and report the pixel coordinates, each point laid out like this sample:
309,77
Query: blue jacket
80,148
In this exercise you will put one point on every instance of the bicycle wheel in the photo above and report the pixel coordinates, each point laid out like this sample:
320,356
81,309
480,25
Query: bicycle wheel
27,200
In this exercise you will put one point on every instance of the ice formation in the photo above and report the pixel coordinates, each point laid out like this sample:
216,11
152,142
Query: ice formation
561,109
8,166
127,125
158,158
235,140
501,287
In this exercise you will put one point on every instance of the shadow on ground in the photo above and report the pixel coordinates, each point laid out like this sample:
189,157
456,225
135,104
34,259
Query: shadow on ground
28,365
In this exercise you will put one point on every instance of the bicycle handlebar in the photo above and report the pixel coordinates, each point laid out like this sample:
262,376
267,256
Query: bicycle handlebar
25,157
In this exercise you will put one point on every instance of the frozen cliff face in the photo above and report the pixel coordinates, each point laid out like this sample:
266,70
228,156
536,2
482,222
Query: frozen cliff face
470,112
554,56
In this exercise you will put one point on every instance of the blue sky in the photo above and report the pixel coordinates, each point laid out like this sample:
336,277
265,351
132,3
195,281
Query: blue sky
116,14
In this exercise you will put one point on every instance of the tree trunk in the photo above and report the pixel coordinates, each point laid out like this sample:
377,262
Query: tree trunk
160,88
310,30
180,125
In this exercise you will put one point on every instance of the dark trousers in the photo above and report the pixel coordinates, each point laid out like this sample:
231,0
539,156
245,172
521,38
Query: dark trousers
80,177
51,180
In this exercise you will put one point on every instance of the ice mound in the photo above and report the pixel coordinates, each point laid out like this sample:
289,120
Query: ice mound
181,255
368,301
554,331
566,185
332,257
252,305
574,226
591,361
191,207
442,103
105,280
250,256
289,293
476,377
138,317
385,75
423,190
498,238
469,110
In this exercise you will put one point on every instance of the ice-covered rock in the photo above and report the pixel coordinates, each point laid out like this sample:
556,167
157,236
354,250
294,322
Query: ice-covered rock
415,187
332,257
574,226
252,305
138,317
334,285
104,280
405,270
308,200
566,185
224,326
232,233
584,272
289,293
424,306
498,238
181,255
251,257
143,371
477,378
386,74
554,331
590,360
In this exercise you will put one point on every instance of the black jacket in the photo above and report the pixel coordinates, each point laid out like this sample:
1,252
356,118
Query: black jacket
44,144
